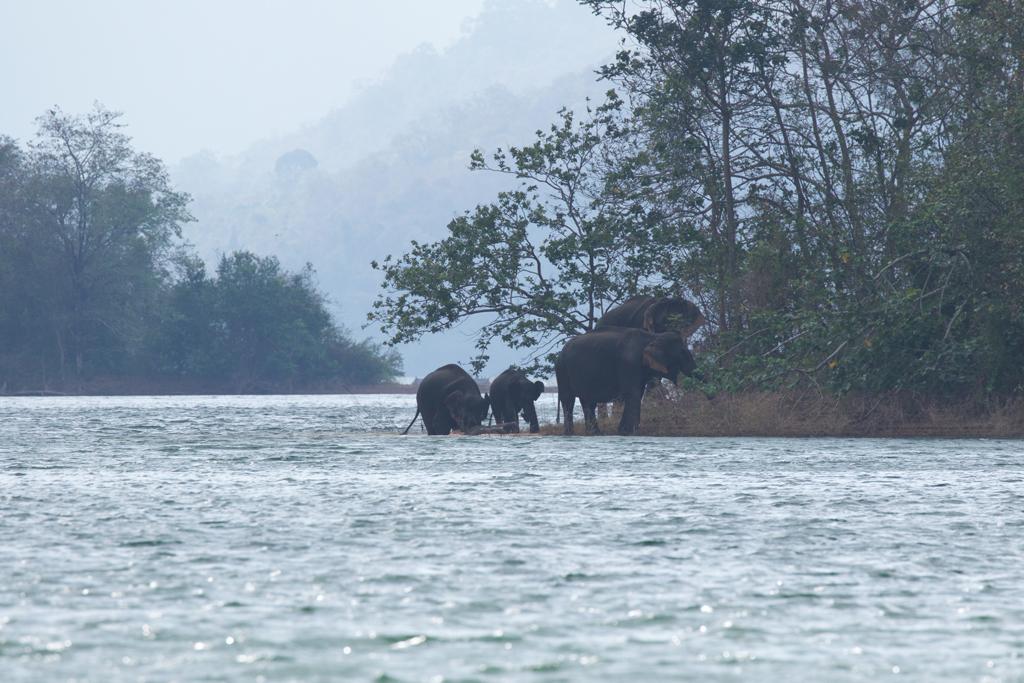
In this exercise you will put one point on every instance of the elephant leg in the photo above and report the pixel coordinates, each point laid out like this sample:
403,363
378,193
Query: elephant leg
510,425
428,421
566,401
512,419
590,416
630,421
442,425
530,415
586,416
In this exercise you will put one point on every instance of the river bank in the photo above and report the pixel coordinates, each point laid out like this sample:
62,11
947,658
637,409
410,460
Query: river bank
670,413
795,414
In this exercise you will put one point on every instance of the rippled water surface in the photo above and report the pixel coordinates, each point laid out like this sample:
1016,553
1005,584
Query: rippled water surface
297,538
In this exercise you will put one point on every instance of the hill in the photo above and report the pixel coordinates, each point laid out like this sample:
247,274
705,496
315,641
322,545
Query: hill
391,166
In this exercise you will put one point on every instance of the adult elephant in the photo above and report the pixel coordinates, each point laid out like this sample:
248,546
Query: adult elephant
448,398
655,314
513,393
613,363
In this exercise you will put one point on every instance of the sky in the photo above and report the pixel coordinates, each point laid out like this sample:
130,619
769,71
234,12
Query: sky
206,74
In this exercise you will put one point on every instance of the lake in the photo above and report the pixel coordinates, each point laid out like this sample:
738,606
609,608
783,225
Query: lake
299,538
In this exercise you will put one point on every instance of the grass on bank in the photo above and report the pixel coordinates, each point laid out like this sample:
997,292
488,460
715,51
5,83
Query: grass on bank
794,414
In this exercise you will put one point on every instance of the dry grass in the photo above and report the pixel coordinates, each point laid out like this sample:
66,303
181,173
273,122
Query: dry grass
810,414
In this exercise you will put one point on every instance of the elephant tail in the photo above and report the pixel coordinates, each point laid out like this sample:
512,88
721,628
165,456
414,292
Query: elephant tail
413,421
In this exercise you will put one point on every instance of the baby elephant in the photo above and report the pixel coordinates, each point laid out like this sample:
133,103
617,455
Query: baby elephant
513,393
448,398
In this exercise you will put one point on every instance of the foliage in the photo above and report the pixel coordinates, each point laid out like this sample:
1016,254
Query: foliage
836,182
542,262
90,221
89,237
256,324
852,145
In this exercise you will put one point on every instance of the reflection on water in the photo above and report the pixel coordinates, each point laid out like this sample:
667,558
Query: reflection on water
298,538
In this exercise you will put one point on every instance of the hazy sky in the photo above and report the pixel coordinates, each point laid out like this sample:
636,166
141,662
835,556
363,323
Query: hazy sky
206,74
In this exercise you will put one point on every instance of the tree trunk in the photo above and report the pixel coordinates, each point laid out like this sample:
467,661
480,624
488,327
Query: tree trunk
730,212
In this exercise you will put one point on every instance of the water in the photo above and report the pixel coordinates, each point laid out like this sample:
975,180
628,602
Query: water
292,538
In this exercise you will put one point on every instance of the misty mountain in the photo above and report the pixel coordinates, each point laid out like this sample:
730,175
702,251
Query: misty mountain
392,165
518,45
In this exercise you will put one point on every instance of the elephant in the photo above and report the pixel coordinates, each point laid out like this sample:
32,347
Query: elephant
613,363
513,393
448,398
655,314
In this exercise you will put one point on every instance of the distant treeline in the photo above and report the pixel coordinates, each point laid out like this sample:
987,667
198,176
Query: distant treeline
96,284
839,184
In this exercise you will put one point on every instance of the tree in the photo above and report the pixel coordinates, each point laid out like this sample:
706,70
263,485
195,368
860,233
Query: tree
95,282
100,218
19,326
542,262
696,82
823,131
833,179
275,323
256,326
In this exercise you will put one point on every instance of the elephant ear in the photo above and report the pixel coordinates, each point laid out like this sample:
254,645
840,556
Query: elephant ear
654,358
672,314
692,320
651,315
530,391
538,389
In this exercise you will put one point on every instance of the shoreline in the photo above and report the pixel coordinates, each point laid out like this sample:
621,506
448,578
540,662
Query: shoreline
134,387
800,415
690,414
160,388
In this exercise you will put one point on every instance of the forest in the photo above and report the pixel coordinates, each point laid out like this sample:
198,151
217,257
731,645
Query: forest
98,290
836,184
